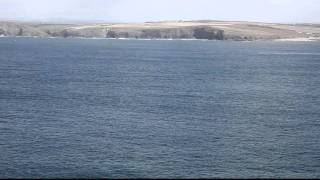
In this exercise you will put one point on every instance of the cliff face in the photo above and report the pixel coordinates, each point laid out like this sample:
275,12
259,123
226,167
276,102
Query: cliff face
211,30
169,33
14,29
208,33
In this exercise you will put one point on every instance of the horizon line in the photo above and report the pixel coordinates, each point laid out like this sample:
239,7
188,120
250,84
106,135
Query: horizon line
70,21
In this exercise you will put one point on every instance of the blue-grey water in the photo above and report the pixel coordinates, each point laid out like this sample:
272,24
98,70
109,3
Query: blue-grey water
126,108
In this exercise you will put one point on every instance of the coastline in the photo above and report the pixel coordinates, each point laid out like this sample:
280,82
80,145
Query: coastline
167,30
306,39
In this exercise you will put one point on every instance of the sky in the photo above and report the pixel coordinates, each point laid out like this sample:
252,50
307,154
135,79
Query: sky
280,11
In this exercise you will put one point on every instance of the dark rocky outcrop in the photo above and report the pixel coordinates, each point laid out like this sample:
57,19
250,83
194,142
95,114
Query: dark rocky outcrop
20,33
69,33
208,33
168,33
2,32
111,34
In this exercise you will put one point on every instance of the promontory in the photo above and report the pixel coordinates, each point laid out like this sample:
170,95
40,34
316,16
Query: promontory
202,29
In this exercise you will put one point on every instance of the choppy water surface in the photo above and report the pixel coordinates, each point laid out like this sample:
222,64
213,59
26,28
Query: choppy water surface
120,108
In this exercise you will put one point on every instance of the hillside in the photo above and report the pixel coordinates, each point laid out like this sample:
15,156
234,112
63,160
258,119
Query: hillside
206,29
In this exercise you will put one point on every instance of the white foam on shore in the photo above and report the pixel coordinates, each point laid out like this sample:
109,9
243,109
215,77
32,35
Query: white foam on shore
299,39
289,53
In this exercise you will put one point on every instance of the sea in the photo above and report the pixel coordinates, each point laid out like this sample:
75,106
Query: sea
98,108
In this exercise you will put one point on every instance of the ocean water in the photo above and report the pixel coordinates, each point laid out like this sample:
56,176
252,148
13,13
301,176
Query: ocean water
183,109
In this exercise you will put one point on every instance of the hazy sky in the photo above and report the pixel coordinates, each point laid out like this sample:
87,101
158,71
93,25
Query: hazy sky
154,10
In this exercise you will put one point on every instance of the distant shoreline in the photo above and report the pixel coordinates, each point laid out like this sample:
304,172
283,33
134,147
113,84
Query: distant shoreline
169,30
154,39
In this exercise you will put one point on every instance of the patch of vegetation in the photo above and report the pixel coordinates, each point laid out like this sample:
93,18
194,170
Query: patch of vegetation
66,33
2,32
20,33
208,33
111,34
